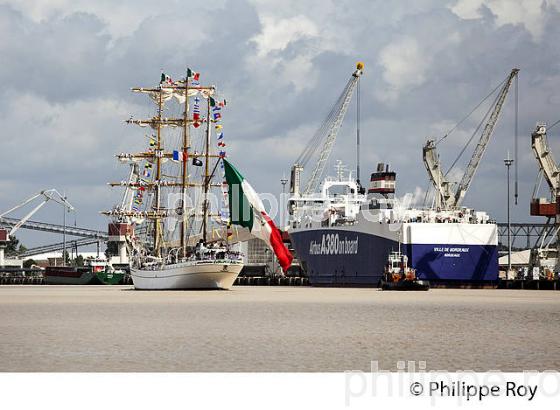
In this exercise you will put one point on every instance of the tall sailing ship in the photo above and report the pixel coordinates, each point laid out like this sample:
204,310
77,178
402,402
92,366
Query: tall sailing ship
176,236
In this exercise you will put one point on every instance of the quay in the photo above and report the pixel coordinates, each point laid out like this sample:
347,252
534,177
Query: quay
35,277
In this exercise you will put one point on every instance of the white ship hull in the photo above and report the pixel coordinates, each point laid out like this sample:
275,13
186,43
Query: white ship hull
188,275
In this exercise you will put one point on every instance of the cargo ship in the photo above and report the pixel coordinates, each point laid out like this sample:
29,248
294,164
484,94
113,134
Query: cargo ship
342,237
95,272
71,275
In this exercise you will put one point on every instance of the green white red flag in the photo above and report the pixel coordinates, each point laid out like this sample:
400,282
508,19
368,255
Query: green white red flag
246,209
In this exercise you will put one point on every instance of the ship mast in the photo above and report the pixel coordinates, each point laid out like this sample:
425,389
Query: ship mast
184,175
157,250
206,173
158,156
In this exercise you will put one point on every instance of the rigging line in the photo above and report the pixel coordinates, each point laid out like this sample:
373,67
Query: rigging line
426,196
313,142
194,216
556,123
213,171
320,134
472,136
471,112
538,181
327,126
191,226
196,205
516,136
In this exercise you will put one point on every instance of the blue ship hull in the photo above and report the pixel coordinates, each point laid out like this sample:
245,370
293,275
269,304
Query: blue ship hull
333,257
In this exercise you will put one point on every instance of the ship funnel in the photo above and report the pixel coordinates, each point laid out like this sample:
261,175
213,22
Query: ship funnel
383,181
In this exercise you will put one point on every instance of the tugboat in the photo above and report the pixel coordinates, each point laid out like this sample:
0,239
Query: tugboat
398,276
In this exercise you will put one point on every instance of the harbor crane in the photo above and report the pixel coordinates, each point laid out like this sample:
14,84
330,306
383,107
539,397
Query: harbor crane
46,196
326,134
549,169
446,198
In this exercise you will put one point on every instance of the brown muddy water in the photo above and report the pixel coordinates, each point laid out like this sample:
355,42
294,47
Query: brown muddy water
114,328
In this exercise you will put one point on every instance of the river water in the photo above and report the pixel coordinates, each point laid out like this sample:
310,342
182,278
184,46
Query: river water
114,328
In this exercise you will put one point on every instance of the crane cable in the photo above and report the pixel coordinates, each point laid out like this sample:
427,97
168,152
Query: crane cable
516,138
477,129
549,128
471,112
320,134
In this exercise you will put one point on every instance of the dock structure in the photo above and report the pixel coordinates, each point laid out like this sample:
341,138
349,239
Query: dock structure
72,244
85,236
529,232
10,225
55,228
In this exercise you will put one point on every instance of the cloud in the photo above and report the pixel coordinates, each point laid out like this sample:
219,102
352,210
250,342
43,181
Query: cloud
529,13
68,66
277,34
121,19
404,65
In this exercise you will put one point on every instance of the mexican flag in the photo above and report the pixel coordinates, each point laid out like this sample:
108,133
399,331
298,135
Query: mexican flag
246,209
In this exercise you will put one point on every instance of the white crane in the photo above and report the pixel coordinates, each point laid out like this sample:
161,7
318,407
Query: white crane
46,196
548,168
445,197
327,132
547,164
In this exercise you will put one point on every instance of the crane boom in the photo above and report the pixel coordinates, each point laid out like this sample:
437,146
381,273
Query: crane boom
547,164
444,194
540,206
446,197
329,128
48,195
483,142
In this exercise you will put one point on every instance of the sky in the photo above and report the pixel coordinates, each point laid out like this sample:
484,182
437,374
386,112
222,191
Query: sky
68,66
